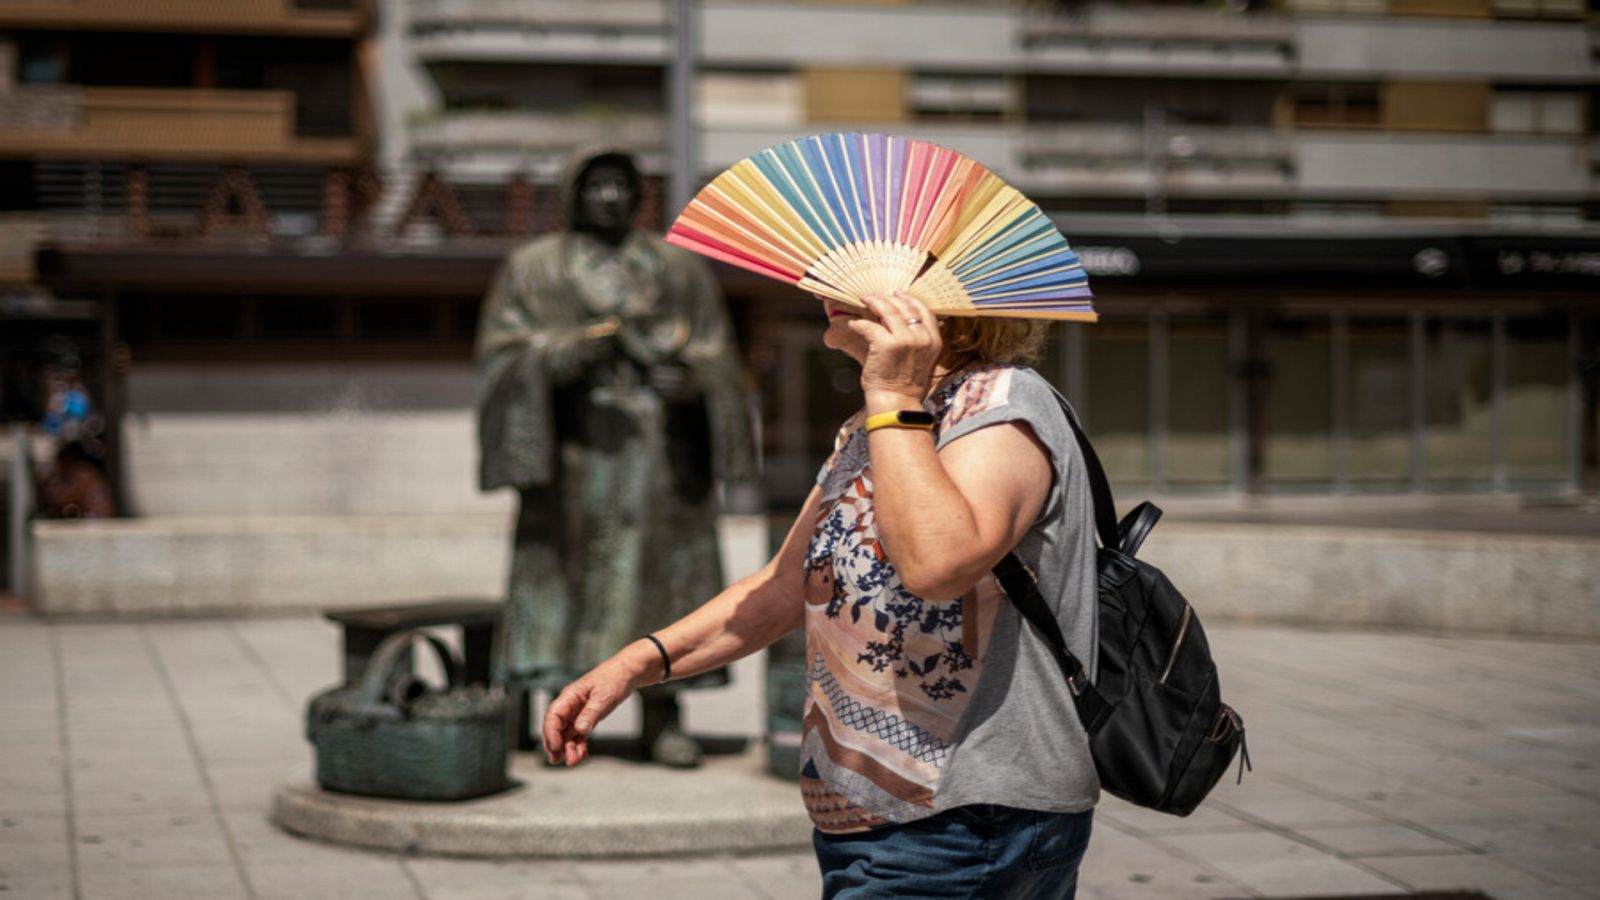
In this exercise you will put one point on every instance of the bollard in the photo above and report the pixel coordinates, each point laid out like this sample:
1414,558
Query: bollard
21,495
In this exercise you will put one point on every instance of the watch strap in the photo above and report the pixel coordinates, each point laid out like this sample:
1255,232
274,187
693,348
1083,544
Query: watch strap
901,418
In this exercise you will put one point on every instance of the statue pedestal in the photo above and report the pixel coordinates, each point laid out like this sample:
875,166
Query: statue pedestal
606,807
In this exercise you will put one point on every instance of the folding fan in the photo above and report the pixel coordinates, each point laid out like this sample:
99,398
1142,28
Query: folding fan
844,215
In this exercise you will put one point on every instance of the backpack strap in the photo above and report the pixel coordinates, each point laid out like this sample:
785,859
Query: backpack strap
1020,584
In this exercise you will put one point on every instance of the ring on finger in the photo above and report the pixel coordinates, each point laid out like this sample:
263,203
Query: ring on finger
913,321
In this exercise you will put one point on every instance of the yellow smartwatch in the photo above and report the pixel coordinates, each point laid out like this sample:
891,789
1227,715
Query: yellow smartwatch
901,418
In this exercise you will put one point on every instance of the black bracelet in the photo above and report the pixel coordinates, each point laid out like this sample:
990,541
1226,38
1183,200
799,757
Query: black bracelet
666,661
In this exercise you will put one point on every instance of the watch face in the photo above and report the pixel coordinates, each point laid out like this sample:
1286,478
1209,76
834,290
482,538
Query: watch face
908,417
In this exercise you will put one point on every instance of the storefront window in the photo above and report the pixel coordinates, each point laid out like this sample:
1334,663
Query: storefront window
1458,423
1197,403
1538,434
1118,408
1378,449
1299,445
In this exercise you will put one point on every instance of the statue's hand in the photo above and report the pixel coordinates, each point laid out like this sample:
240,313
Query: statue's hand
673,382
599,340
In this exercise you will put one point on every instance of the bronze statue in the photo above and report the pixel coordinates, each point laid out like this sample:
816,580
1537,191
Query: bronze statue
610,398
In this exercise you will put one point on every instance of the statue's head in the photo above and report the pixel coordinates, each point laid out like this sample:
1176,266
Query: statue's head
605,196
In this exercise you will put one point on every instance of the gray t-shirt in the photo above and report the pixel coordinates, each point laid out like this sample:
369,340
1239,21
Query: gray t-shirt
918,705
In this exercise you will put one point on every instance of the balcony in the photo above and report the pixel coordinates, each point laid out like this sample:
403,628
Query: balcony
960,37
1374,49
1443,166
162,124
320,18
20,236
1159,41
519,134
997,145
1193,161
619,31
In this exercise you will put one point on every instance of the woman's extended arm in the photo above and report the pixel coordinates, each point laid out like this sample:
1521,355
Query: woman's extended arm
750,614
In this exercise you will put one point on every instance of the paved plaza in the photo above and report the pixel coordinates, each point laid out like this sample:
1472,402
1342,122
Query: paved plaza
140,758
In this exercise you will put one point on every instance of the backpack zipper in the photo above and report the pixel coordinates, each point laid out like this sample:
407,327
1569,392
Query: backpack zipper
1177,643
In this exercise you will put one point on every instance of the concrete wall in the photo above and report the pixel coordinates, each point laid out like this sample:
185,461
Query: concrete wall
1492,583
234,566
303,440
261,564
1349,577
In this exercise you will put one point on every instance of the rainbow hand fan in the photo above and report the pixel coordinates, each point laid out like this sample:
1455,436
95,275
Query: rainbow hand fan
844,215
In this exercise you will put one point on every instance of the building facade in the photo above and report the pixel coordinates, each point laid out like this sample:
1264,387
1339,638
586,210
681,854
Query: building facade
1338,245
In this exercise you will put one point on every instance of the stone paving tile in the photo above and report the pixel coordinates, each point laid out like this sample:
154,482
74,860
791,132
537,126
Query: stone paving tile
1361,741
1492,874
1298,809
258,840
248,786
26,829
51,885
462,879
1569,810
33,857
357,877
123,882
1269,864
1572,868
149,839
1207,818
1360,841
1119,863
1523,836
1544,892
669,879
781,876
143,798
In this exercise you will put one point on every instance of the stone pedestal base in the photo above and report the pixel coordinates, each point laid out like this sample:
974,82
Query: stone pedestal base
605,807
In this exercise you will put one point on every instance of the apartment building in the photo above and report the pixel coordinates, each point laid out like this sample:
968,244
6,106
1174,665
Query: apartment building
1339,245
186,198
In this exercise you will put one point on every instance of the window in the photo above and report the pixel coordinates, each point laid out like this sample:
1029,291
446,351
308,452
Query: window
1537,112
1118,375
741,99
1538,430
855,95
1335,105
939,96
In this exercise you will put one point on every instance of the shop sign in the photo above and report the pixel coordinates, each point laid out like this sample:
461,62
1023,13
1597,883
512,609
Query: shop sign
1111,261
1547,262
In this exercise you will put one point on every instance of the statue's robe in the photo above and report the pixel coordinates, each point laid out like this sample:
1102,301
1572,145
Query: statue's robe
616,531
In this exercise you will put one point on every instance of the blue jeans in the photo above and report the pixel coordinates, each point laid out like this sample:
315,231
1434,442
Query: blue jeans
982,851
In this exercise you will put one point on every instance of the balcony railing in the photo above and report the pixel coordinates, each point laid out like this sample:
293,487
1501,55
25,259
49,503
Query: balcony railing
310,17
522,132
573,14
161,123
1159,39
1120,159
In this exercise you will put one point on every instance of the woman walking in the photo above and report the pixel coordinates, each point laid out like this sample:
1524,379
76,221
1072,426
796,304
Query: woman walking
942,756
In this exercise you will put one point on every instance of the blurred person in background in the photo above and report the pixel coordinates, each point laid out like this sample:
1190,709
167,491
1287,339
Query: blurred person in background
611,399
942,755
76,486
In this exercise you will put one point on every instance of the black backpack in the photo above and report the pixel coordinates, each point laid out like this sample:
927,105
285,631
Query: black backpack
1158,729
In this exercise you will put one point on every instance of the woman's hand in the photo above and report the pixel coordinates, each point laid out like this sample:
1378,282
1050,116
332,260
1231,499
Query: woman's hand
581,705
903,344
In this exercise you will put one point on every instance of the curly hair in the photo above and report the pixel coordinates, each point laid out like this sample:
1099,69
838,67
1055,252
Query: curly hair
994,339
